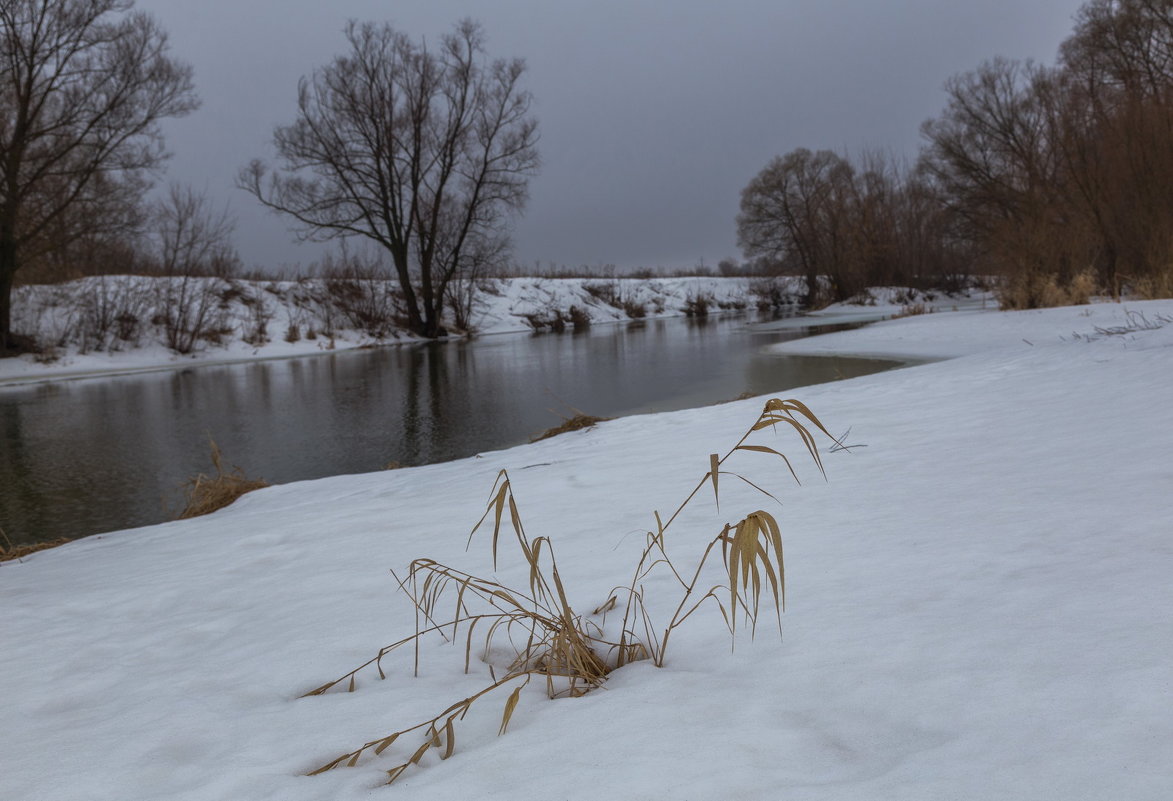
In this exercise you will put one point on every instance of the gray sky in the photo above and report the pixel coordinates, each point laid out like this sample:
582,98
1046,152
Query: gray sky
653,115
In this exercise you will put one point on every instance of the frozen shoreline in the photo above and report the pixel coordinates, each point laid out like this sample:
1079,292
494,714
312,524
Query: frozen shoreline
972,606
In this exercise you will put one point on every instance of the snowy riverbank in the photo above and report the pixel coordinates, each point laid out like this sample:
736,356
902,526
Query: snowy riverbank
121,324
975,603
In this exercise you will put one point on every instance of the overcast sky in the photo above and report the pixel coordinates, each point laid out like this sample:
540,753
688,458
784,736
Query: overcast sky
653,115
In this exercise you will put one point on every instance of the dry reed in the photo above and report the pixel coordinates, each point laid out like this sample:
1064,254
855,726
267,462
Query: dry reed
205,494
570,653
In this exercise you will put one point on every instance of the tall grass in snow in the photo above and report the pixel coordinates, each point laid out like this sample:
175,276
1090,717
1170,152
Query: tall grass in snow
568,652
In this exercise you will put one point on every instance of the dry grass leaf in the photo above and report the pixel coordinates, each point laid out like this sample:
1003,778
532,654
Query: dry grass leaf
754,549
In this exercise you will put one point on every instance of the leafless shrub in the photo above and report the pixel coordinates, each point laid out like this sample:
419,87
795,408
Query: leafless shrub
770,294
194,254
360,295
697,305
492,286
579,318
605,291
188,312
1135,321
482,260
255,329
111,312
634,309
548,320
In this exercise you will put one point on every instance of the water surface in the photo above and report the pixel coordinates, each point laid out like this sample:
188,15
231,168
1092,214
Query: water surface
86,456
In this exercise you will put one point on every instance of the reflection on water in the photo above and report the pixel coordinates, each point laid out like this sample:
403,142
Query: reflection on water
81,457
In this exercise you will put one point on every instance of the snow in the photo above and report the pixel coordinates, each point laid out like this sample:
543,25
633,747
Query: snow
976,608
948,334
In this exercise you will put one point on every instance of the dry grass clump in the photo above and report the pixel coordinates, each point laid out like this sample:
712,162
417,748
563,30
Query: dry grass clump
578,422
206,494
8,551
1133,321
1044,290
571,653
912,310
1154,287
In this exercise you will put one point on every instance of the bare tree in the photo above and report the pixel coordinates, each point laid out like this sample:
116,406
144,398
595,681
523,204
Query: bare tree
426,153
193,243
794,210
988,149
193,239
1062,175
83,84
482,263
1123,45
1113,101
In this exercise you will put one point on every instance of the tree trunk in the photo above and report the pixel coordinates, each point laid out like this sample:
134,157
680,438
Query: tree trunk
414,320
1109,276
8,265
433,302
433,313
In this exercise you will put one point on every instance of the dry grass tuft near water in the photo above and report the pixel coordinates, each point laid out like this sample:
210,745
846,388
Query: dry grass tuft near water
203,495
545,638
8,551
206,494
576,423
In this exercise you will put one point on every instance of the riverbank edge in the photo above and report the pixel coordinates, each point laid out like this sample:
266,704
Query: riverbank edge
179,363
511,309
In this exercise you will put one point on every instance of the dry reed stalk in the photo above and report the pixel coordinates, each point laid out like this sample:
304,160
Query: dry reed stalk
569,652
206,494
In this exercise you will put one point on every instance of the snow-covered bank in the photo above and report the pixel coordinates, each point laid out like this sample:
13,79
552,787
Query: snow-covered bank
975,608
945,334
881,303
122,324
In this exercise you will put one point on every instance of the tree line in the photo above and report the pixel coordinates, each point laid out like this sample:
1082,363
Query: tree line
1058,179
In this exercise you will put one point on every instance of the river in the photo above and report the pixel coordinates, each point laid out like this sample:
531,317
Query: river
87,456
